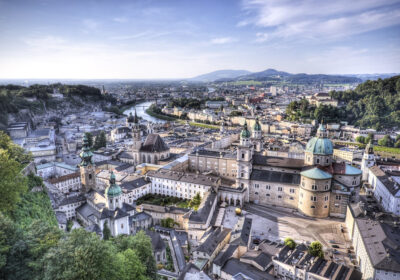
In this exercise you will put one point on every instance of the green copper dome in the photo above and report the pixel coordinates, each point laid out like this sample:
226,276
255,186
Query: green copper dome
245,132
113,190
320,145
86,154
257,126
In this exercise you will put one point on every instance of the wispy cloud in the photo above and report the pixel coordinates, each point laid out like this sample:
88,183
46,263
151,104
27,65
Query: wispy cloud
90,24
120,19
223,40
319,19
262,37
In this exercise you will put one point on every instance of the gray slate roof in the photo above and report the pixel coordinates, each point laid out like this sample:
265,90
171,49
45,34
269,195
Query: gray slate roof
154,143
275,177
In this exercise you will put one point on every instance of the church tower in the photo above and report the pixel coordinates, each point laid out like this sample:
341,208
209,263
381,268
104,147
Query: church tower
368,160
222,128
130,120
137,140
87,167
257,136
244,160
113,194
150,129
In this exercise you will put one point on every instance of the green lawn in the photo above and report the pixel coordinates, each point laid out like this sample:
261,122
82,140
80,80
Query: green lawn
163,201
204,125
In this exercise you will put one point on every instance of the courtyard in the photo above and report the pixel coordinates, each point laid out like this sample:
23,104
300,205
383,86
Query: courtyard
277,223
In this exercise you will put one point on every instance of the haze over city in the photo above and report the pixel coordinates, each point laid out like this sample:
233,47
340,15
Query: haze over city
200,139
182,39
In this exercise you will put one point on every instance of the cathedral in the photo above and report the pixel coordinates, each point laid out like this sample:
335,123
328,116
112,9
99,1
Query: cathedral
316,186
151,150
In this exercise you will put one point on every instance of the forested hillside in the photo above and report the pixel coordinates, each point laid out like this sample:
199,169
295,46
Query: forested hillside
373,104
32,247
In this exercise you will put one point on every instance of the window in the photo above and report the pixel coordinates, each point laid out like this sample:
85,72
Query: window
267,194
314,187
279,196
326,198
122,225
312,206
338,197
302,183
279,189
242,174
313,198
256,193
327,160
268,187
242,155
291,190
326,206
326,187
317,160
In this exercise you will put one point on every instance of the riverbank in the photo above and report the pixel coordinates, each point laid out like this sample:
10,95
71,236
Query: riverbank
150,112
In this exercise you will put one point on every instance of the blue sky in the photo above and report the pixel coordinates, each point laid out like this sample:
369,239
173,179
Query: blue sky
179,39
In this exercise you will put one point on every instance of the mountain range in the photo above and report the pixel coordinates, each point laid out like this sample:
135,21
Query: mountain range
275,75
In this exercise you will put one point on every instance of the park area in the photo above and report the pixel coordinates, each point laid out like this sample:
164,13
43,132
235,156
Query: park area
170,201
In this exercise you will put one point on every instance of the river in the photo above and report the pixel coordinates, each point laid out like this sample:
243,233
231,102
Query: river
141,112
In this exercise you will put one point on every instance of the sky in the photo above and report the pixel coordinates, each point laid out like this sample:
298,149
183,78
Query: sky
167,39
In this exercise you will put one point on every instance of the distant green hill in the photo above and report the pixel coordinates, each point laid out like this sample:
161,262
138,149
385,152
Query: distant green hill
372,104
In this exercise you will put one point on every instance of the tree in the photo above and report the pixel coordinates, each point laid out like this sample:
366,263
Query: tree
131,267
15,152
106,231
290,243
369,138
100,141
316,249
7,238
360,139
90,138
386,141
13,184
40,237
82,255
195,202
142,245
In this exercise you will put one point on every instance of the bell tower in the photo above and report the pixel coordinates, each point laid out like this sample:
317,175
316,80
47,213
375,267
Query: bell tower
137,140
244,159
368,160
87,167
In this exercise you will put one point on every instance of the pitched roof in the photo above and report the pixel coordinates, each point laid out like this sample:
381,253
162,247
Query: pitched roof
278,162
154,143
156,241
275,176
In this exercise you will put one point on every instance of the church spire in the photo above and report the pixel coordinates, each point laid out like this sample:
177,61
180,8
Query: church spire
86,154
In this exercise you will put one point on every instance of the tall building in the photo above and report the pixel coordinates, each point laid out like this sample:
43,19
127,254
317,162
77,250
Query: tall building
244,157
87,167
368,160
